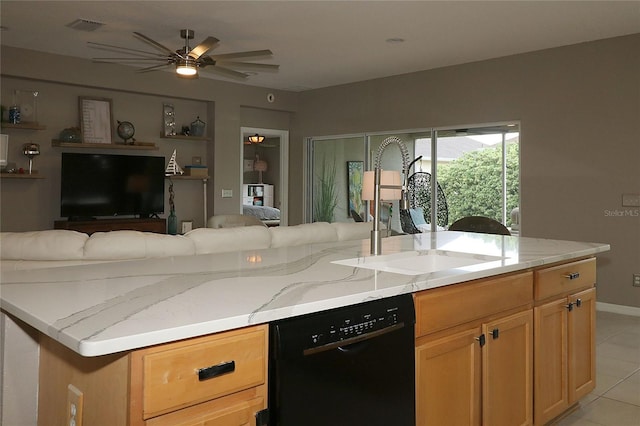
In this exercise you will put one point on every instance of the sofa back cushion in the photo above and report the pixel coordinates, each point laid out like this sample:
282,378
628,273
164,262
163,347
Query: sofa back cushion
233,220
219,240
122,245
306,233
353,230
54,244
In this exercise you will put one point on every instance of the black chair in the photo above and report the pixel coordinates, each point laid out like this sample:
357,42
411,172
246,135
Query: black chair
480,224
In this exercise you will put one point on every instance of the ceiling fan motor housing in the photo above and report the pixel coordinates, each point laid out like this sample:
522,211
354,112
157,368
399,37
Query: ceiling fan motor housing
187,34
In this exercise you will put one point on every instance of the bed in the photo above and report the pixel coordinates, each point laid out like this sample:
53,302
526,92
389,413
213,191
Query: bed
270,216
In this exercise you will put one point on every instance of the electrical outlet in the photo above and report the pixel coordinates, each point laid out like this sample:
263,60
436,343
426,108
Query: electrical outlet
74,406
636,280
227,193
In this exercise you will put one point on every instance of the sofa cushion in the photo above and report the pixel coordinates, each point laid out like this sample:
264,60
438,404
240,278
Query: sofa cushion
219,240
233,221
122,245
306,233
54,244
353,230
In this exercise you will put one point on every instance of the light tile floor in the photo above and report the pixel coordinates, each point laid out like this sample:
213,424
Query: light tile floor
616,399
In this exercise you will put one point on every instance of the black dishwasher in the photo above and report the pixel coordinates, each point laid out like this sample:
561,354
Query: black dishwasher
349,366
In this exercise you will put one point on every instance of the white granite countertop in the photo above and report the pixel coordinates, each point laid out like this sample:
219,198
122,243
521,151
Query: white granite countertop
111,307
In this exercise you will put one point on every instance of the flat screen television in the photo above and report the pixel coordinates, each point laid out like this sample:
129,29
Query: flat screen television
94,185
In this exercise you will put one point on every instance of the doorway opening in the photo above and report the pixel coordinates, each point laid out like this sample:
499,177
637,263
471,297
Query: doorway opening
263,175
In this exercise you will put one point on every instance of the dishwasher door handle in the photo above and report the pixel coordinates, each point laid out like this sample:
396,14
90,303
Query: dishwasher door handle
350,341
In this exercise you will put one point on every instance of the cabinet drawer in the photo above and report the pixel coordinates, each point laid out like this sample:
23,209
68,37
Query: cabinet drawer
181,376
237,409
445,307
564,279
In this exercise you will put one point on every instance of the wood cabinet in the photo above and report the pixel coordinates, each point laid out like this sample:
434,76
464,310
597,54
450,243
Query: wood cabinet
564,356
218,380
104,225
474,353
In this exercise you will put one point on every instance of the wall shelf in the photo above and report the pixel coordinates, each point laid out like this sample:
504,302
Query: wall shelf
137,146
185,138
27,125
186,177
21,176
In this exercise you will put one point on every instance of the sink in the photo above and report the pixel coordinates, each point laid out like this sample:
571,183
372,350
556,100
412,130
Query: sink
419,262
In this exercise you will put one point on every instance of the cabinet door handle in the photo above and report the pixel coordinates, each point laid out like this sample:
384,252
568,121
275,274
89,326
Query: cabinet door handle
495,333
569,306
481,339
578,303
216,370
573,275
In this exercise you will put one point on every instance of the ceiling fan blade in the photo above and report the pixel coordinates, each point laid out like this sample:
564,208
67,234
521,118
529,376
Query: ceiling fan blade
154,43
153,68
249,66
208,44
119,49
248,54
227,72
163,59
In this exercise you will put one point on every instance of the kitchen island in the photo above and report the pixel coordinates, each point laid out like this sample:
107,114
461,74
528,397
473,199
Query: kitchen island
123,318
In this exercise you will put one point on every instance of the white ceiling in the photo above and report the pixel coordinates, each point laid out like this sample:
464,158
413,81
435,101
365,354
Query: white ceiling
324,43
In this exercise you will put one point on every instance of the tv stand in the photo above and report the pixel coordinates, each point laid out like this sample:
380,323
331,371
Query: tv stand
157,225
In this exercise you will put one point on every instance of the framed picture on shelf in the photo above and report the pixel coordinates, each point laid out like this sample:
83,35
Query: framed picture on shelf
95,119
355,172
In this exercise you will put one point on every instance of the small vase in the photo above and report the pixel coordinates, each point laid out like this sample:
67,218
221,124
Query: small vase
172,223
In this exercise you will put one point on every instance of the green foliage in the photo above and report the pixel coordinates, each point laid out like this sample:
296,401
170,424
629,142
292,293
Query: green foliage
326,198
473,183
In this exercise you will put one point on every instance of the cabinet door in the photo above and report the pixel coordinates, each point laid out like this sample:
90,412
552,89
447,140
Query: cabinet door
550,360
235,410
582,356
507,369
448,380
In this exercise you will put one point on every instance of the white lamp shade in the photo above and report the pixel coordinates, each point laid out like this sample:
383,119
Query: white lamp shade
260,166
387,177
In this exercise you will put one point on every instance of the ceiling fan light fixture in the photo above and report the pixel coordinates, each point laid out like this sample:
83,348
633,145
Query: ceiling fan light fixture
186,67
256,138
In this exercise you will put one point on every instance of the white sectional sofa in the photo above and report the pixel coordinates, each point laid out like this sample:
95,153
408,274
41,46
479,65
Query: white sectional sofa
19,356
51,248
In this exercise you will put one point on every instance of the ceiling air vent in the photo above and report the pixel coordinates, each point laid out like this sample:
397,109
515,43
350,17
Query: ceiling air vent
85,25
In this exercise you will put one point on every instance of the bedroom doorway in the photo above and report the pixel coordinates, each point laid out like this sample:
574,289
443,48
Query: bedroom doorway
263,175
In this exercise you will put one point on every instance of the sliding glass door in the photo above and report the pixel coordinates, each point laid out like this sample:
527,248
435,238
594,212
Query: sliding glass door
478,170
335,167
458,172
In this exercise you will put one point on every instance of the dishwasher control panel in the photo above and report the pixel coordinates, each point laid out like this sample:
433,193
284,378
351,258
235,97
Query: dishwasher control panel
354,322
353,326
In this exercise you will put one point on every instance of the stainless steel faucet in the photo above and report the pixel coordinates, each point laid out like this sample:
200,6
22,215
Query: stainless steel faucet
376,237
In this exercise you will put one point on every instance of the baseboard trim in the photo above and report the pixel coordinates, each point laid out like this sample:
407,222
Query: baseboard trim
618,309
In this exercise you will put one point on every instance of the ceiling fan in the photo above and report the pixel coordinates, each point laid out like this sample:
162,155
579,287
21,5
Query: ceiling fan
188,61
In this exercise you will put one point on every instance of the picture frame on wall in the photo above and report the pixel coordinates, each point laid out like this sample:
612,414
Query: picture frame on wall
355,173
95,119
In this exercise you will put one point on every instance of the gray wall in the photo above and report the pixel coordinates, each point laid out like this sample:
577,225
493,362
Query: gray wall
579,107
34,204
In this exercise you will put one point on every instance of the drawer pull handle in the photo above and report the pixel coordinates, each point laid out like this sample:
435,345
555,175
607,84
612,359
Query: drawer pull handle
573,275
216,370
